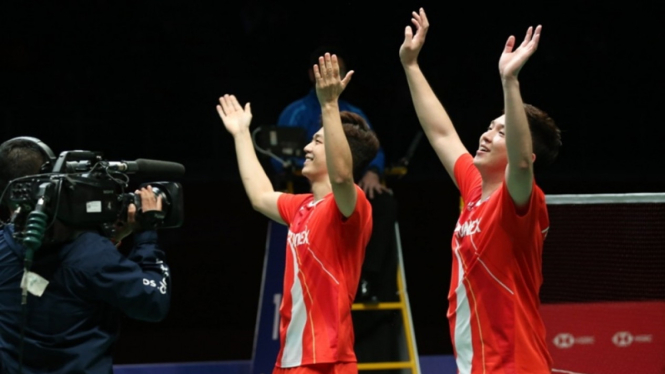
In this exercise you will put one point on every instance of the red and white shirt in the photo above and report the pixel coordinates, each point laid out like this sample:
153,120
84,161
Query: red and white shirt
496,276
324,256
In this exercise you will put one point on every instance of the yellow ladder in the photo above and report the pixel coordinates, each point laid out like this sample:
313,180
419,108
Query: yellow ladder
402,305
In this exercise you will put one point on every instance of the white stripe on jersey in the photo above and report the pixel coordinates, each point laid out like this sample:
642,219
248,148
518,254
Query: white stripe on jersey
323,266
495,278
488,269
292,353
463,344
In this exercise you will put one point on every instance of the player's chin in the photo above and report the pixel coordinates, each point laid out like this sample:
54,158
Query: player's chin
305,171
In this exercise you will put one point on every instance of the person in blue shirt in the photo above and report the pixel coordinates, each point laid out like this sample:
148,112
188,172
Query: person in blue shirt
80,285
306,113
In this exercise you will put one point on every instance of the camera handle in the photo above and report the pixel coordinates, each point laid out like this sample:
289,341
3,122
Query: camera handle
35,228
36,224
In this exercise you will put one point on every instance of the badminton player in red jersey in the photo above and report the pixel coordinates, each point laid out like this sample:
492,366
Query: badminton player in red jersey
328,228
497,244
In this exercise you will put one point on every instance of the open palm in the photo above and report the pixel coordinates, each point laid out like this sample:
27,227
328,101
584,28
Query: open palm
329,84
236,118
511,61
413,43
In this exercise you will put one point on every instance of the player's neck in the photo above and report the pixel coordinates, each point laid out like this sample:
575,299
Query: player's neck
491,183
321,189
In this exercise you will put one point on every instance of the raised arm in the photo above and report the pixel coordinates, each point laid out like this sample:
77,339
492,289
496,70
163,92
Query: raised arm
432,115
329,86
257,185
519,145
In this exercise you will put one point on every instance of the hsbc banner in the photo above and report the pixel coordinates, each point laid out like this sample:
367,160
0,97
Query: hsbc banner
606,338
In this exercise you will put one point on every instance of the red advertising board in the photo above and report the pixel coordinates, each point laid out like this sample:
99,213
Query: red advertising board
606,338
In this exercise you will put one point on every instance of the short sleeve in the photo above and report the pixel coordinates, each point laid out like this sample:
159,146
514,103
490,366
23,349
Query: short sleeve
512,220
468,178
288,205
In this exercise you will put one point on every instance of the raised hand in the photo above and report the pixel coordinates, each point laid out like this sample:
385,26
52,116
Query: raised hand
329,85
410,48
511,62
235,118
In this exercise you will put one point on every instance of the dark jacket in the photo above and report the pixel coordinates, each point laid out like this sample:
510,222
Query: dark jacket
71,328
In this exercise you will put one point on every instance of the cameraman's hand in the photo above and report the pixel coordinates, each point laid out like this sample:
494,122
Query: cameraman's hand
148,202
123,229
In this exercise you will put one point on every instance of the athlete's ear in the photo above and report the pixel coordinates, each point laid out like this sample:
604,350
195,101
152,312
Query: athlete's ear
533,157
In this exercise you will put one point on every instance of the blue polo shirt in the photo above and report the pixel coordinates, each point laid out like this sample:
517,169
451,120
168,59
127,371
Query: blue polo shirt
306,113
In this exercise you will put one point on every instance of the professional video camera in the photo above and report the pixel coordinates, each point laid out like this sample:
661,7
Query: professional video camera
85,191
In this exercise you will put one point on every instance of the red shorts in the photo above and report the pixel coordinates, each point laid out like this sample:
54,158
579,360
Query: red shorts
329,368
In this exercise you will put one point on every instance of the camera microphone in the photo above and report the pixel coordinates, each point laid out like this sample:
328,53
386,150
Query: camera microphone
147,167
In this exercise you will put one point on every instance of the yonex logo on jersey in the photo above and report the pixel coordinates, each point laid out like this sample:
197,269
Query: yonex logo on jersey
564,340
296,239
468,228
622,339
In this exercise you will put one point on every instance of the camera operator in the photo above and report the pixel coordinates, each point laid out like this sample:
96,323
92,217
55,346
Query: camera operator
79,285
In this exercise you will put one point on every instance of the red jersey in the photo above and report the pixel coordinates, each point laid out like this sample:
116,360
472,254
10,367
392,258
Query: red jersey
493,311
324,257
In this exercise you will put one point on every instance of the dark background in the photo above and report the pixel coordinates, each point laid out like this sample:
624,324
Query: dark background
141,79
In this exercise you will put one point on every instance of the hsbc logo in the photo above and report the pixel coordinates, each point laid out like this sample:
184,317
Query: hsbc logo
566,340
624,339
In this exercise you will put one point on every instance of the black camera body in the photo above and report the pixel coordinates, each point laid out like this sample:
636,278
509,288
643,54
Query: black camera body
171,215
86,192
